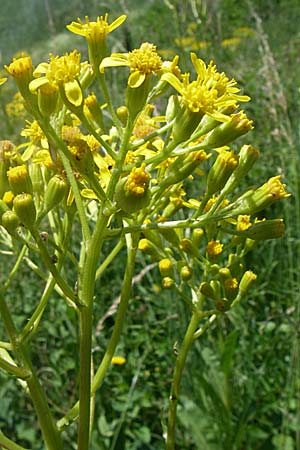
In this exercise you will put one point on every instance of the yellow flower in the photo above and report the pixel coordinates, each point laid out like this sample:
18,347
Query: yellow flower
118,360
61,71
137,181
2,80
243,222
142,62
214,248
95,32
20,67
209,93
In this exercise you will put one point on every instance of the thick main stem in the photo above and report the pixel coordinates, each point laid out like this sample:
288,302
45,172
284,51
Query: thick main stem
179,366
86,293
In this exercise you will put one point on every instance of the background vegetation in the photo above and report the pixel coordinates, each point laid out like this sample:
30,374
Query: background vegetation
242,389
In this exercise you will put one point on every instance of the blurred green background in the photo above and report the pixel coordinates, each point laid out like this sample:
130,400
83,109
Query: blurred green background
241,386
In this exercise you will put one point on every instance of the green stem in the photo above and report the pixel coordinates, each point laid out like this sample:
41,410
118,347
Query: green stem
179,366
86,293
49,430
120,318
8,444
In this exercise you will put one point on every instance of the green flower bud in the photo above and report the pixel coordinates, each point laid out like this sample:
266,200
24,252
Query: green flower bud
188,247
10,221
207,290
221,170
19,180
247,281
3,209
229,131
55,191
36,177
25,209
186,273
254,201
167,282
95,110
231,288
148,247
185,124
165,267
265,229
122,113
197,237
247,157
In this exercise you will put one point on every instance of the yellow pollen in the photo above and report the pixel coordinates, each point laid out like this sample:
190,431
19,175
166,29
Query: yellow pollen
137,181
63,69
145,59
243,222
231,283
276,188
214,248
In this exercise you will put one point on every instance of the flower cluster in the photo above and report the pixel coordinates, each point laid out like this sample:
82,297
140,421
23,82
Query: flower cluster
172,174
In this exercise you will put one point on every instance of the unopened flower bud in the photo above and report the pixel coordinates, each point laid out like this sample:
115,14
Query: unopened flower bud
166,267
197,237
95,110
188,247
207,290
3,209
122,113
231,288
19,180
266,229
10,221
254,201
55,191
229,131
221,170
248,155
167,282
186,273
247,281
25,209
148,247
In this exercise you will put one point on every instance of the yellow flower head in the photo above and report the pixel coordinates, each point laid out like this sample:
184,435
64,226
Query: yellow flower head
142,61
33,132
95,32
243,222
231,283
209,93
214,248
137,181
60,69
20,67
